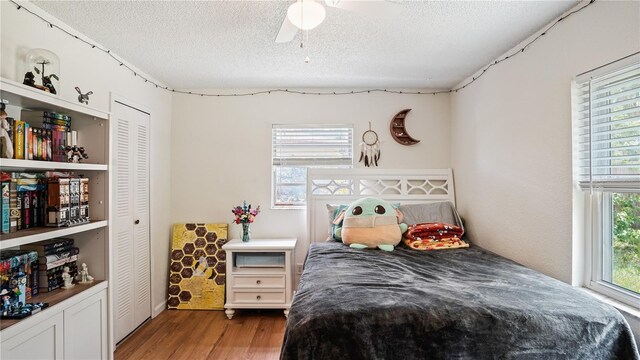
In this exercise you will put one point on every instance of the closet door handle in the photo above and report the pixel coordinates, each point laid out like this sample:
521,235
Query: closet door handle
137,222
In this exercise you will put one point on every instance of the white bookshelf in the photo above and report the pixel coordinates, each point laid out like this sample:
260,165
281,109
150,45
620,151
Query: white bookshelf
36,165
28,236
61,318
27,97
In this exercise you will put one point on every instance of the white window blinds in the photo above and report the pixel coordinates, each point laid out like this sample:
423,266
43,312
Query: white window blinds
327,145
607,130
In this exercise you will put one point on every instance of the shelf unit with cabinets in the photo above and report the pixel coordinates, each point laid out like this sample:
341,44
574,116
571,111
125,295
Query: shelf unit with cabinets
80,312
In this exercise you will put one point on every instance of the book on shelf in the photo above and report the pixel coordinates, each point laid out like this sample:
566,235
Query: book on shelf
50,247
5,187
51,198
59,252
41,136
52,115
57,263
34,279
18,139
15,208
27,140
26,211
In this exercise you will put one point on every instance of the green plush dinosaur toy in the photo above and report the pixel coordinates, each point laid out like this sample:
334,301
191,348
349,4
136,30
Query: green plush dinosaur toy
369,223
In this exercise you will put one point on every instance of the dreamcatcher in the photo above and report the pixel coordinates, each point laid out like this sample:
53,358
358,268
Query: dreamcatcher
370,148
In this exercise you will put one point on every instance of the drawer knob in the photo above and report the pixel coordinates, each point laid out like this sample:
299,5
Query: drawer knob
258,297
258,282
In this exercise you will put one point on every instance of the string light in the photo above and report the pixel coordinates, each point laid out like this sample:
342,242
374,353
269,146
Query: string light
368,91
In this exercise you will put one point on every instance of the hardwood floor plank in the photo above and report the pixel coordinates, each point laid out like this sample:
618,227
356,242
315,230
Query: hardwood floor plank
203,339
236,339
193,335
257,346
149,334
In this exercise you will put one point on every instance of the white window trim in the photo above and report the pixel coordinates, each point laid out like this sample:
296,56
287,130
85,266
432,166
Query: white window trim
594,236
589,206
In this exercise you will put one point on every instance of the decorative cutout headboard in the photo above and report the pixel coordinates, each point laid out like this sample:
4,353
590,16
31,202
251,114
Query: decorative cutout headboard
342,186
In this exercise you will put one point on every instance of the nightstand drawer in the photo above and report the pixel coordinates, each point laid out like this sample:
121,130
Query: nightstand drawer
258,281
258,297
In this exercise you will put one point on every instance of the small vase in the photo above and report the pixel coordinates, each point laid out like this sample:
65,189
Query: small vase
246,232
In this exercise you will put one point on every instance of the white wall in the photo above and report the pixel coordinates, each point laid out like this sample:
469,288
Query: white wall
511,138
221,149
92,70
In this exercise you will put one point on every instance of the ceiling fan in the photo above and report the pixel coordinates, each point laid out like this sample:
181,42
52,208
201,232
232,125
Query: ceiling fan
308,14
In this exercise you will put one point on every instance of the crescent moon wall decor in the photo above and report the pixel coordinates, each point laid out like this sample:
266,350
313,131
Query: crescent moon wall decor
398,131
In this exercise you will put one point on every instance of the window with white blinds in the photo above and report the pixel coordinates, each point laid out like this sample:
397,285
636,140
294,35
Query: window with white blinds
607,130
606,113
298,147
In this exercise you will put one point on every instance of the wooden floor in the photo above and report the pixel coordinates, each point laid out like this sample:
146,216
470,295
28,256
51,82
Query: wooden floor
186,334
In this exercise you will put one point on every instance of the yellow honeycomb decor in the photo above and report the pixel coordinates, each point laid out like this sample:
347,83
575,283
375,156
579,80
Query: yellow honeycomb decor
197,270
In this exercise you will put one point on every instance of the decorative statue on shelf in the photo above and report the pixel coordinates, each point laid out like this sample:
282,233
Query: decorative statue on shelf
83,98
6,303
67,278
83,275
75,153
29,79
42,68
6,143
46,82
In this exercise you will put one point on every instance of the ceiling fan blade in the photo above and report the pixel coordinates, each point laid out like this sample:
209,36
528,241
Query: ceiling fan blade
287,31
375,8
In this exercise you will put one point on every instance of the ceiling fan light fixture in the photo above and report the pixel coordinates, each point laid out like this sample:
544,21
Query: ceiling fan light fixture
306,14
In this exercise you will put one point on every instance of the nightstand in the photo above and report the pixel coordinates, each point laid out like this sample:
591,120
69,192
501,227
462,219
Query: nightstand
260,274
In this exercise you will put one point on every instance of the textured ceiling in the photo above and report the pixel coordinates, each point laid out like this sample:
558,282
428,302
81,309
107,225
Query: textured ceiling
205,44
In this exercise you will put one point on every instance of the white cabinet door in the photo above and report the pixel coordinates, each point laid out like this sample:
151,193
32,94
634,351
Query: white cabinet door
85,328
41,341
131,249
141,251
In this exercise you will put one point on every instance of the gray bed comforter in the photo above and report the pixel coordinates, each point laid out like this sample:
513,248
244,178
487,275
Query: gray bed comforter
448,304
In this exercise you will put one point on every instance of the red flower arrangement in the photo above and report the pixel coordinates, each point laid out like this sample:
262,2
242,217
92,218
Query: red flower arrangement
244,214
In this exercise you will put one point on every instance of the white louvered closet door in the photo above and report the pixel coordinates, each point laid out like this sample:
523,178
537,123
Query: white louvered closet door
131,262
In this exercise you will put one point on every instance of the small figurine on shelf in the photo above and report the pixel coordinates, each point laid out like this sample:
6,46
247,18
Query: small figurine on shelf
6,143
83,98
46,82
6,303
75,153
83,275
67,278
29,79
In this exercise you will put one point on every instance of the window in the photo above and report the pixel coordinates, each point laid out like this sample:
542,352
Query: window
607,172
295,148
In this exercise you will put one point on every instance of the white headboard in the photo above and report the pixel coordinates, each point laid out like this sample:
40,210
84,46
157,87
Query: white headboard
342,186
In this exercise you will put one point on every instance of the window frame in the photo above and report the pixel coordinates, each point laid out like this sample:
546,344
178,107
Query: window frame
593,207
274,183
600,238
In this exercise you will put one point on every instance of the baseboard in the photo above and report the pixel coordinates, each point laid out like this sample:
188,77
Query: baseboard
159,308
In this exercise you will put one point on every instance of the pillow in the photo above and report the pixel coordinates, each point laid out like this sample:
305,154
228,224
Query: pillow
333,211
436,212
370,223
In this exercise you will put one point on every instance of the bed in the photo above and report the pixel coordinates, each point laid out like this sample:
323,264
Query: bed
407,304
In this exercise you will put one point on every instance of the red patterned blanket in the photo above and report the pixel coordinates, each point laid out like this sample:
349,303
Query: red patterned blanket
434,236
434,231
